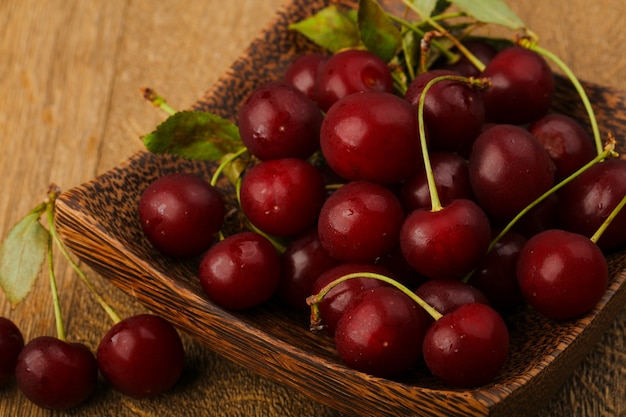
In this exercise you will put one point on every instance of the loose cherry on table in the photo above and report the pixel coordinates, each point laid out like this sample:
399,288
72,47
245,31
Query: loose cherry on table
11,344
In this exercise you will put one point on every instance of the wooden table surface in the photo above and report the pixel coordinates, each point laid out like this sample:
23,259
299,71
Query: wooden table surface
70,109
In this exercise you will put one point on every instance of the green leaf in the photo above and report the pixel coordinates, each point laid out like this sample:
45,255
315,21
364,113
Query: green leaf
378,33
333,28
194,135
491,11
21,256
429,8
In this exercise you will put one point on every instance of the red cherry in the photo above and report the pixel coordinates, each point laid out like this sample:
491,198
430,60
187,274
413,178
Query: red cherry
11,344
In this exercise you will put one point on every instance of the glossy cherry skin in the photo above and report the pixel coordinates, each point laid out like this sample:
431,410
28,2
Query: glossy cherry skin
588,200
360,222
446,243
141,356
381,333
11,344
566,141
241,271
282,197
302,262
522,86
279,121
453,111
55,374
467,347
302,73
348,72
508,169
337,300
562,274
451,174
180,214
371,136
446,295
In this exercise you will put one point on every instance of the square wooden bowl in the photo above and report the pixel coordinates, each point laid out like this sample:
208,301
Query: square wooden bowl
98,222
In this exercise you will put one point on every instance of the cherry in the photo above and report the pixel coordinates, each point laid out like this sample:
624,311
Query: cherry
381,332
562,274
522,86
282,197
360,222
302,73
302,262
55,374
371,136
508,169
180,214
241,271
141,356
480,49
588,200
446,295
495,275
335,302
279,121
565,140
467,347
451,174
446,243
351,71
453,111
11,344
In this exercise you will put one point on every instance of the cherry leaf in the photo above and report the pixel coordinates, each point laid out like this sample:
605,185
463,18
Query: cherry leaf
428,8
22,254
491,11
378,33
333,28
194,135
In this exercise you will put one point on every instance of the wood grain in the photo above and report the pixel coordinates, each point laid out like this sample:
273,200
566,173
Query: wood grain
70,109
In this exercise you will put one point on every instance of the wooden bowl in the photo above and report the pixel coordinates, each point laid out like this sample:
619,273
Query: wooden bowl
98,222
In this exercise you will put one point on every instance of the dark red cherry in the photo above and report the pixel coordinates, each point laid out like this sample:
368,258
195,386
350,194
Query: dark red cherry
562,274
381,333
279,121
241,271
587,201
302,73
480,49
508,169
566,141
522,86
141,356
55,374
360,222
336,301
453,111
446,295
371,136
446,243
351,71
181,214
302,262
282,197
467,347
11,344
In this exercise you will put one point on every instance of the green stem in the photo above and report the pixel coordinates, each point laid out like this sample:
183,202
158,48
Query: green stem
605,224
527,43
58,317
314,300
225,163
158,101
57,240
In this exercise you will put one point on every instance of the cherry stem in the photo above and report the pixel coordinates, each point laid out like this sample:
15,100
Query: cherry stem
605,224
430,178
158,101
314,300
225,163
609,151
52,195
58,317
532,45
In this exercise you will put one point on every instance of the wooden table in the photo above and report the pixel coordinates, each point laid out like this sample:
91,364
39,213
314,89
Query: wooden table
70,109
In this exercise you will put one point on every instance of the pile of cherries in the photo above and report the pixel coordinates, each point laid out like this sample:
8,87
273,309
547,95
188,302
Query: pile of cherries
56,374
341,175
